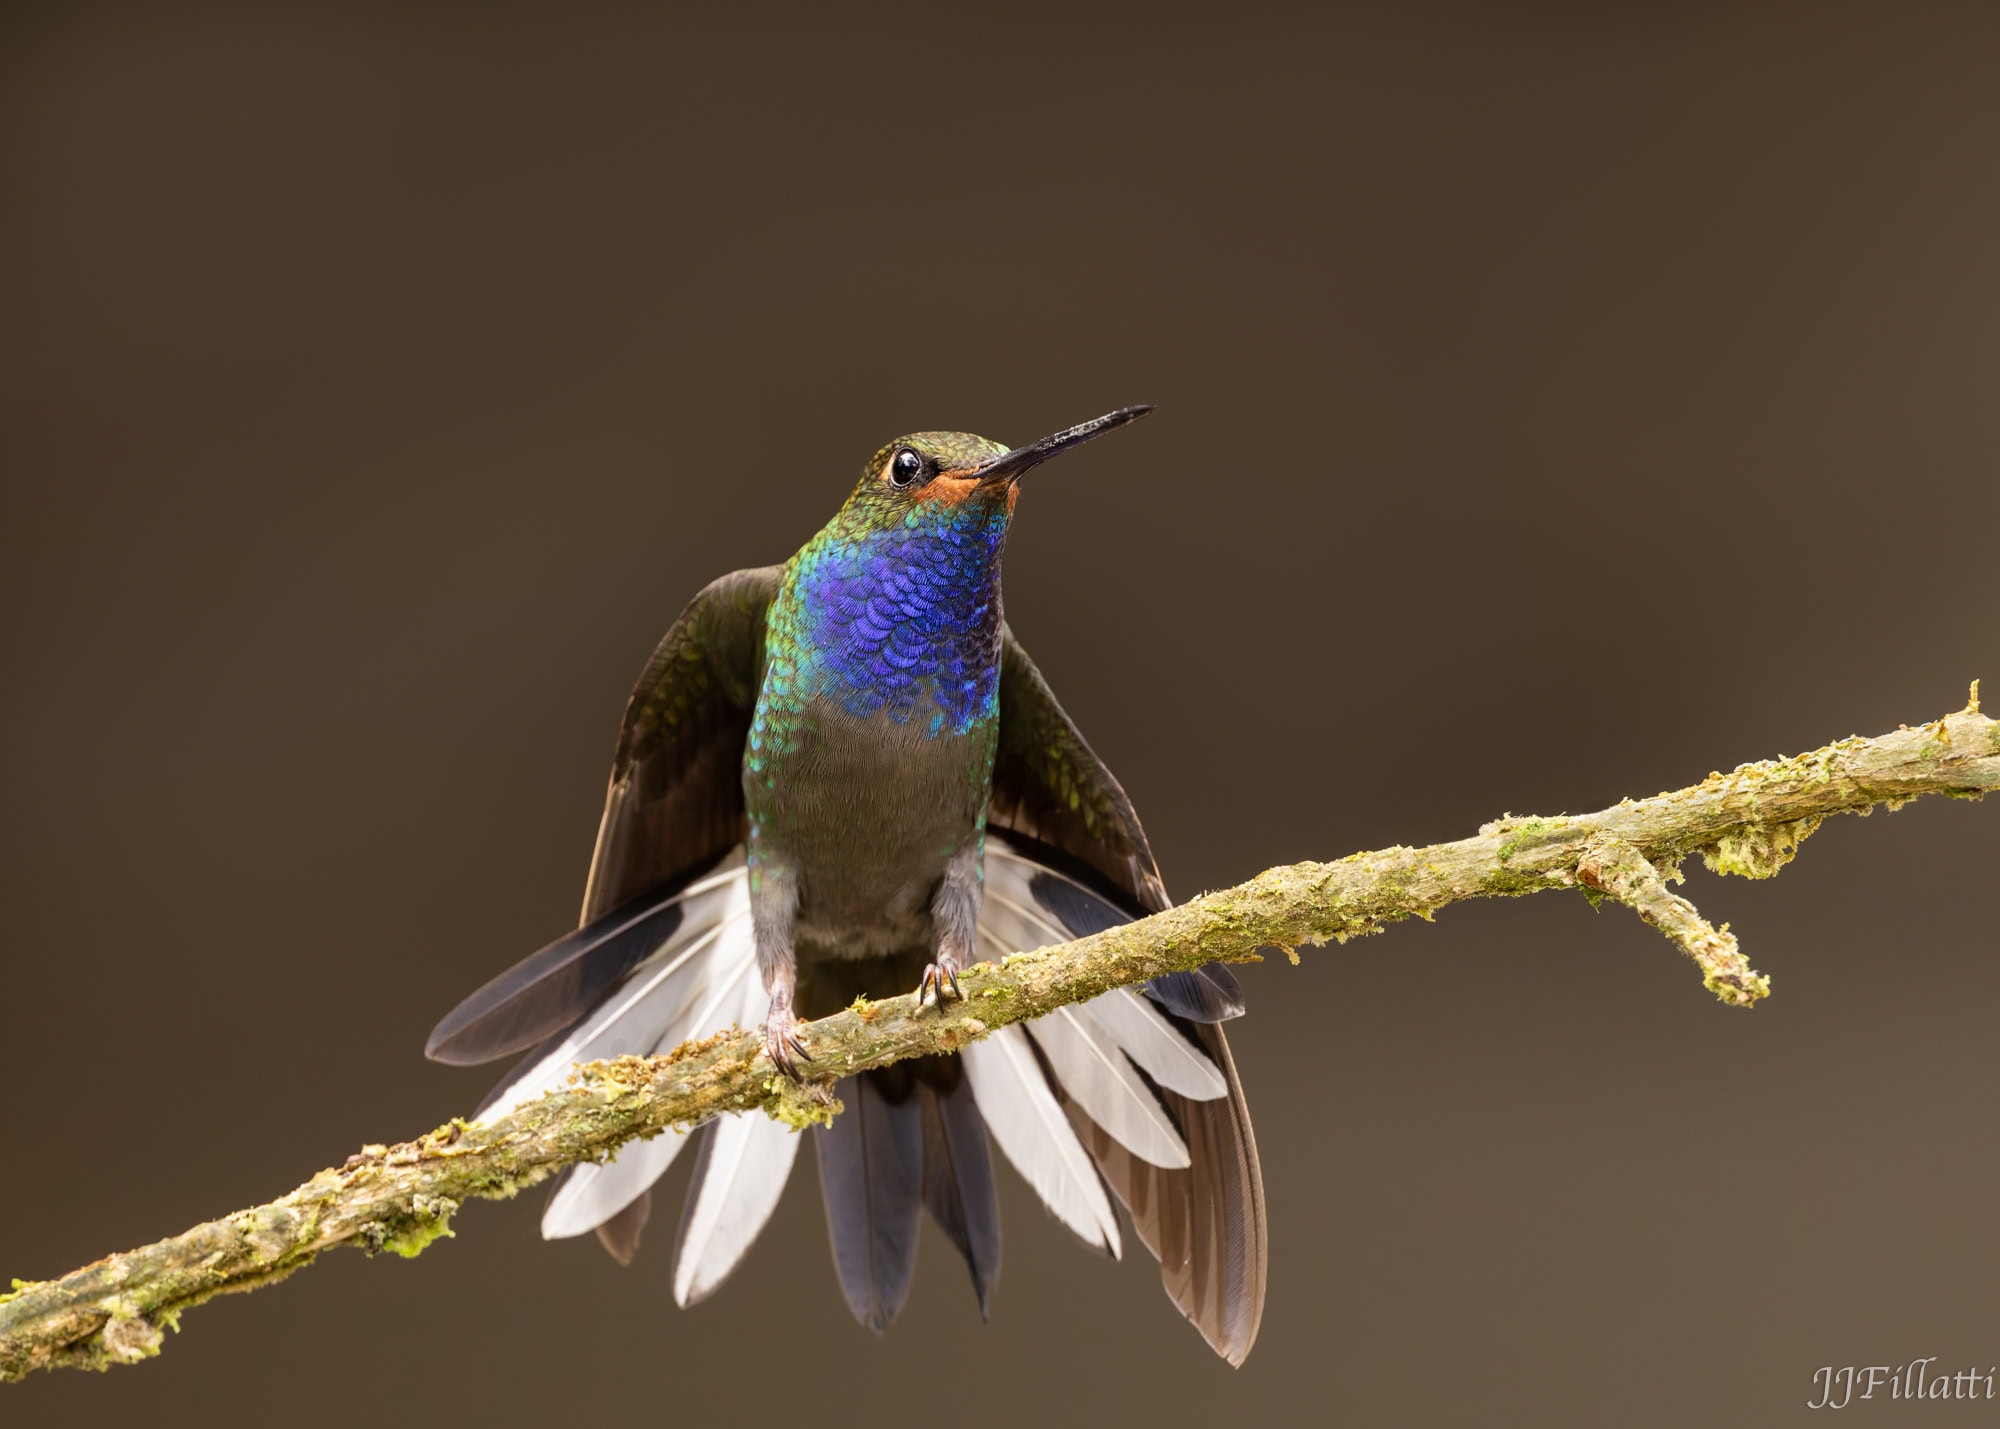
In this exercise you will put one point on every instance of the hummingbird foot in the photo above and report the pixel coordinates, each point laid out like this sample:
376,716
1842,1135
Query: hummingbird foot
781,1039
937,977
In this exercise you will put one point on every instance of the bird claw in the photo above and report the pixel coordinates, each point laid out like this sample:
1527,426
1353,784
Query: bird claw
937,976
782,1044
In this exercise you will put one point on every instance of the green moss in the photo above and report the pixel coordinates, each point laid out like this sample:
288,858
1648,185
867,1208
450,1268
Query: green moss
795,1106
430,1219
1738,990
1758,850
1527,833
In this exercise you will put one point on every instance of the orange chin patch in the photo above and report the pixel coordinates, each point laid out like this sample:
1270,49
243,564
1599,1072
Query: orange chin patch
951,488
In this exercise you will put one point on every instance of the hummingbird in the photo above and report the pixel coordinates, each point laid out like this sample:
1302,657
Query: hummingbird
844,777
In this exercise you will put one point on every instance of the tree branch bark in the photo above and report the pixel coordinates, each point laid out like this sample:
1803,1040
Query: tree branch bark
400,1198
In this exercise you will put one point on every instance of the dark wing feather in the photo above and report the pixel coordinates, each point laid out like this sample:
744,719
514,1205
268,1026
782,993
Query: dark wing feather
1050,786
544,994
1205,1222
675,801
674,807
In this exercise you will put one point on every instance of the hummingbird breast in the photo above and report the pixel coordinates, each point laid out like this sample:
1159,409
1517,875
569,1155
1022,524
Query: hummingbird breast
870,756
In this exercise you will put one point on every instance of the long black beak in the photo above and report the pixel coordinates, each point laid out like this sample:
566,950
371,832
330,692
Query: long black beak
1016,463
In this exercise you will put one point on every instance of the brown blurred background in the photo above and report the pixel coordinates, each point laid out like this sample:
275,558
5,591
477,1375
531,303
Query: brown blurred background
1557,402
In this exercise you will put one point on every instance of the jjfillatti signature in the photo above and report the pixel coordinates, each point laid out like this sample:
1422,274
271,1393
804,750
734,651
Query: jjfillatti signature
1841,1385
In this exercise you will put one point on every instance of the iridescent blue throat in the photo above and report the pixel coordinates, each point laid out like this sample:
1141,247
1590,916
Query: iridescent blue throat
906,621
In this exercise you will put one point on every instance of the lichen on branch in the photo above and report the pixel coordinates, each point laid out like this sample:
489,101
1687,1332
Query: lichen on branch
1617,870
401,1198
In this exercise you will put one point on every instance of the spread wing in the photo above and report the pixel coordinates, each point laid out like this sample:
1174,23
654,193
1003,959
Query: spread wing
664,950
1050,787
675,801
1089,866
674,810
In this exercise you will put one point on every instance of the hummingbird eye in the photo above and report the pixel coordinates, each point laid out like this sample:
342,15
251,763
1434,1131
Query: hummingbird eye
906,469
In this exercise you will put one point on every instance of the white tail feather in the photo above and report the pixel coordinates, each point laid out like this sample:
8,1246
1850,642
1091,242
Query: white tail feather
595,1193
1089,1065
1095,1073
1142,1031
654,996
1022,1114
1013,921
749,1160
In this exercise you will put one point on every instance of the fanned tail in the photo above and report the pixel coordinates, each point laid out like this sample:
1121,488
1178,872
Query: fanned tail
1131,1095
1147,1087
671,965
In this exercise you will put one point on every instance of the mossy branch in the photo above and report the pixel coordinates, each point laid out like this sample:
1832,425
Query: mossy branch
400,1198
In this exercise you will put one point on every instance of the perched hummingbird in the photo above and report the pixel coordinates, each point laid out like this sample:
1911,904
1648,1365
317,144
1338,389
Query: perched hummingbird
844,776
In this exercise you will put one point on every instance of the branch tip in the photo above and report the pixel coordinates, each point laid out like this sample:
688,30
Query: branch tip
1618,870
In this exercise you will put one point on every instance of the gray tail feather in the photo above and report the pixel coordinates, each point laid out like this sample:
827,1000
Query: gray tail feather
911,1139
620,1235
958,1176
871,1167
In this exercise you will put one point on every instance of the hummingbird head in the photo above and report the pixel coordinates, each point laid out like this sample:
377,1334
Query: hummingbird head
895,605
947,476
